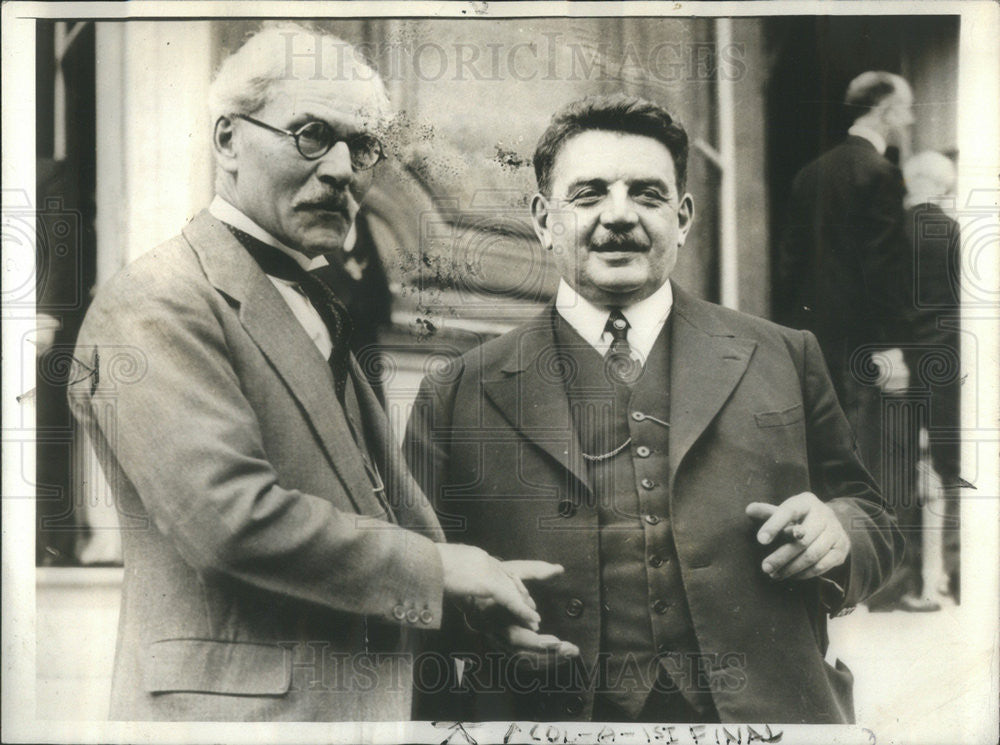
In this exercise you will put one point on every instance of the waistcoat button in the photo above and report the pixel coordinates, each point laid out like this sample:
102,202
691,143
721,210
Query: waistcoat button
642,451
574,608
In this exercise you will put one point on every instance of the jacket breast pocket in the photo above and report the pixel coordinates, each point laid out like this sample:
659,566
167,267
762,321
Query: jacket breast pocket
221,667
779,418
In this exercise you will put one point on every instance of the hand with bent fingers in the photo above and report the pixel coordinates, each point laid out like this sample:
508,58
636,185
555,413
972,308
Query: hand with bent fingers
817,539
484,615
481,580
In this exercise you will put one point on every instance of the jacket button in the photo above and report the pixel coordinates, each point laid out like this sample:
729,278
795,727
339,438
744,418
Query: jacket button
574,608
661,606
656,561
642,451
426,616
399,613
574,705
567,508
651,519
648,484
412,616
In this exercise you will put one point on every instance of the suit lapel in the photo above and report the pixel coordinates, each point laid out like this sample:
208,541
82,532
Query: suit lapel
707,362
531,395
273,327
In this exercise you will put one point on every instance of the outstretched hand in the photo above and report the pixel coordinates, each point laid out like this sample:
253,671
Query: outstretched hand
540,649
472,575
517,640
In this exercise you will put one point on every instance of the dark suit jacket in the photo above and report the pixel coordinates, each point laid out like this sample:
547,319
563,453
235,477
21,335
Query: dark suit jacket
258,559
933,344
840,261
754,418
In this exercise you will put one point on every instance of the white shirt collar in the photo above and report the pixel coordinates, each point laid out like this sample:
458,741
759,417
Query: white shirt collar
646,318
228,213
867,133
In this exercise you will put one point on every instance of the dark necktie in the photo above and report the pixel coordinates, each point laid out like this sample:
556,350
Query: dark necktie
335,317
621,367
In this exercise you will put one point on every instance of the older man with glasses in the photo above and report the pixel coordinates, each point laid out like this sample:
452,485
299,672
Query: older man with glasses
277,552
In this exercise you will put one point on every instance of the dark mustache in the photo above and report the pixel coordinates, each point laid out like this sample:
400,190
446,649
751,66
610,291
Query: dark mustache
620,242
333,203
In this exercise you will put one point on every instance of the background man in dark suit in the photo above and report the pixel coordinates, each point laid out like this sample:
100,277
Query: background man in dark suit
932,349
689,465
843,253
276,549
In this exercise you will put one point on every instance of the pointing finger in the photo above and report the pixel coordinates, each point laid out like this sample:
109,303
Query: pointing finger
792,510
760,510
525,640
532,570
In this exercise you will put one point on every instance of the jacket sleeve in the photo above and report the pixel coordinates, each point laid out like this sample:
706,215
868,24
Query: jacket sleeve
839,478
176,425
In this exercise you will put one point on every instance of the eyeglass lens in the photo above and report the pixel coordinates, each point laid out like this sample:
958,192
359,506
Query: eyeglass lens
315,139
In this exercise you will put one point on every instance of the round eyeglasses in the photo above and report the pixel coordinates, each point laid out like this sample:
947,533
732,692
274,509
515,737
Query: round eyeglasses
315,139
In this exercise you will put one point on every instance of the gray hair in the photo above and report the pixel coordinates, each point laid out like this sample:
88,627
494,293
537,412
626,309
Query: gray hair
930,173
244,80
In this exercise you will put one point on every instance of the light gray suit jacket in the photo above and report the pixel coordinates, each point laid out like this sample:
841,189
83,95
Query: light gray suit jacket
264,578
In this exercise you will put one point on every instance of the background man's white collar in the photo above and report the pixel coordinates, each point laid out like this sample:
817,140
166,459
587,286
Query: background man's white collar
867,133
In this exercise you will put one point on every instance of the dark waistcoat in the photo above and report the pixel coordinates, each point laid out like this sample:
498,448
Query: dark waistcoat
624,431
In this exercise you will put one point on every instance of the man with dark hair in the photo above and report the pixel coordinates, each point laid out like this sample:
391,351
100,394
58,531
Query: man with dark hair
841,259
619,114
687,464
278,555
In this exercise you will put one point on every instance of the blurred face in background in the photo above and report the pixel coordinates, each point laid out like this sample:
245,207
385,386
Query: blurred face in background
897,115
614,220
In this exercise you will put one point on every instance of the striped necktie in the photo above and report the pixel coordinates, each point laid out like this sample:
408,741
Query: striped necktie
621,366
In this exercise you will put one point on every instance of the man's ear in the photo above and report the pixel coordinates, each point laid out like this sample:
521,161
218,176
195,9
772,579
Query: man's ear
685,216
540,219
224,144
